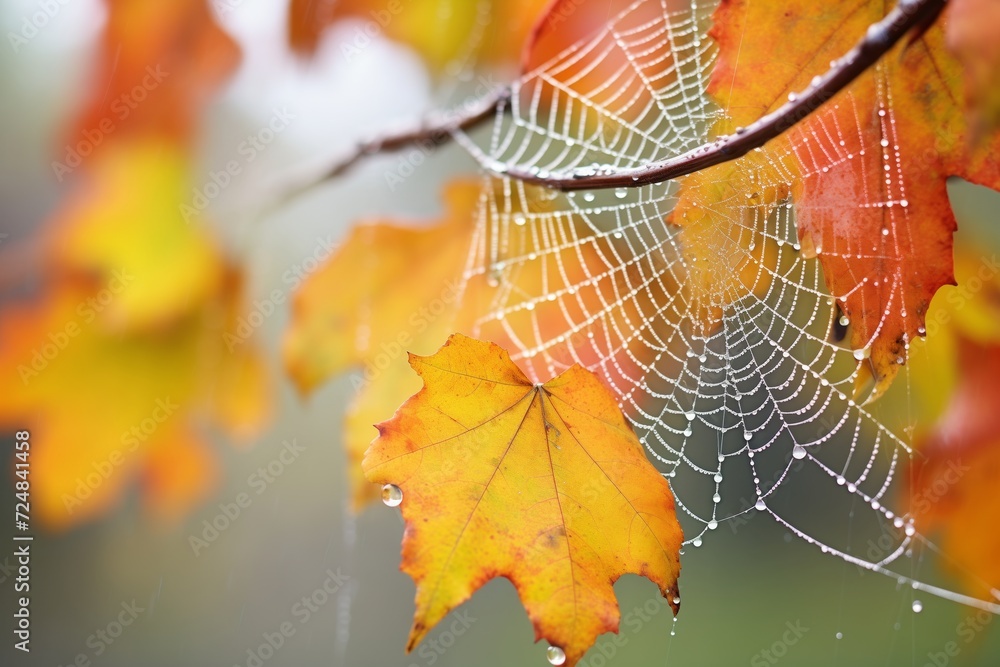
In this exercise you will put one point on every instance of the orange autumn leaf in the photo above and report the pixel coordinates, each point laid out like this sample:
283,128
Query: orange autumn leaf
972,37
877,213
444,32
545,485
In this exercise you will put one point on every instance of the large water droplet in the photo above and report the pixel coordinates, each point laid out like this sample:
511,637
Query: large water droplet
862,353
555,655
917,606
392,495
798,452
520,219
621,193
760,506
588,196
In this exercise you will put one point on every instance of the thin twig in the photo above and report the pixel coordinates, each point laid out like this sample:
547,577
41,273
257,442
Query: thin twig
435,130
881,37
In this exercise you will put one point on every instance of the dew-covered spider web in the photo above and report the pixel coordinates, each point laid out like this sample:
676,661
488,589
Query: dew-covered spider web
709,321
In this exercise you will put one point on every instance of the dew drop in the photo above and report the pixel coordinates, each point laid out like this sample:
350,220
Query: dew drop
555,655
520,219
689,416
917,606
713,524
840,635
841,480
621,193
718,478
884,143
798,452
588,196
844,320
696,542
792,97
716,499
748,436
760,505
862,353
392,495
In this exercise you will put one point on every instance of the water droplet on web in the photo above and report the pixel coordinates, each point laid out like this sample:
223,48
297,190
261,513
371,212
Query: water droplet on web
760,505
588,196
898,522
621,193
520,219
844,320
884,143
718,478
748,436
792,97
816,80
798,452
689,416
555,655
713,524
716,498
862,353
392,495
841,480
696,542
917,606
840,635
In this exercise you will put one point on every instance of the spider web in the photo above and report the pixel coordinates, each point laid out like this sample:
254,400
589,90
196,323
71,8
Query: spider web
756,411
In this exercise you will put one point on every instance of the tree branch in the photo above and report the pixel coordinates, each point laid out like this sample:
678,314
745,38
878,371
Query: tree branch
906,16
881,37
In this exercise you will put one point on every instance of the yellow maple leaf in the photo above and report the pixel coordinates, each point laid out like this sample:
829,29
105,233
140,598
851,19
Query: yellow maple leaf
546,485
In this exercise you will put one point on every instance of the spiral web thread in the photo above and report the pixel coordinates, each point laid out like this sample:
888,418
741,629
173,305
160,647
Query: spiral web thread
755,415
